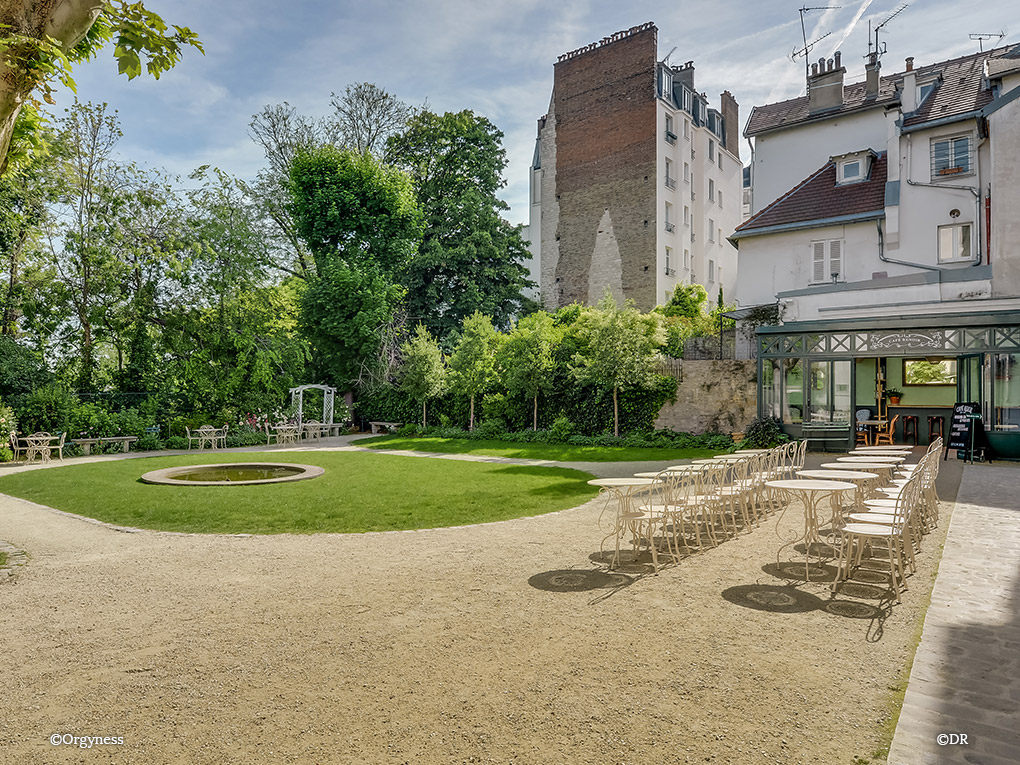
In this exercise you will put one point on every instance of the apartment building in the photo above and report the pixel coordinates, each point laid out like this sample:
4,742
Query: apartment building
636,179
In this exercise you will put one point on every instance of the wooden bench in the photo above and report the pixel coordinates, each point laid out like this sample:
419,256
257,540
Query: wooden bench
389,427
839,433
86,444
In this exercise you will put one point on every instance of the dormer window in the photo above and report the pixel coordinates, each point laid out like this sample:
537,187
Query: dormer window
851,170
924,90
853,167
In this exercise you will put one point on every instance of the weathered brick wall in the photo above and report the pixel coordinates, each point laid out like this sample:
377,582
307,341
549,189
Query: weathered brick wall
713,397
604,107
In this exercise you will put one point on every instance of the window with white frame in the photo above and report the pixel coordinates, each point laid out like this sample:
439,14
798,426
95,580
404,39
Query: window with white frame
711,270
711,230
955,243
687,259
720,237
667,83
670,178
827,261
720,160
687,125
687,215
711,150
669,217
924,90
719,197
711,190
669,261
950,157
670,135
851,170
687,173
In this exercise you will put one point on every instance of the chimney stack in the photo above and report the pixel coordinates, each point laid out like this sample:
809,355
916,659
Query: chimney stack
910,63
871,72
731,119
825,84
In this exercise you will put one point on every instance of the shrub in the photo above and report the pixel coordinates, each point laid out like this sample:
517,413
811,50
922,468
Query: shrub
764,433
176,442
491,429
47,409
6,455
8,422
410,430
148,443
562,429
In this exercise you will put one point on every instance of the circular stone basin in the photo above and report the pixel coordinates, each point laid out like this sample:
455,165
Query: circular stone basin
233,474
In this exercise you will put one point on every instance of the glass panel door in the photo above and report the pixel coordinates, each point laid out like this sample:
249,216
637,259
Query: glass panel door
841,391
819,390
968,380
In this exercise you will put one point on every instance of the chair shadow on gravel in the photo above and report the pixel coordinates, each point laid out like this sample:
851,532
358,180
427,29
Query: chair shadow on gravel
606,583
788,600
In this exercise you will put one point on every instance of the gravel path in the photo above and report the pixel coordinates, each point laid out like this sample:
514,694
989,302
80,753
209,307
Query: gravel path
501,643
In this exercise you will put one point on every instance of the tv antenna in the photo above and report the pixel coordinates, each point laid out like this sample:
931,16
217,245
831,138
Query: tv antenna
803,31
665,59
987,36
880,48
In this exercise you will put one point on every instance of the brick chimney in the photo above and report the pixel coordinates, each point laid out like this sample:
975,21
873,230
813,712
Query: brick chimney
871,75
685,74
825,85
731,116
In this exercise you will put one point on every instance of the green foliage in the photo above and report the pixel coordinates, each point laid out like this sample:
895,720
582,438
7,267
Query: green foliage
422,374
470,259
764,433
688,301
352,207
21,370
140,37
343,312
8,422
472,365
620,349
48,409
526,361
562,429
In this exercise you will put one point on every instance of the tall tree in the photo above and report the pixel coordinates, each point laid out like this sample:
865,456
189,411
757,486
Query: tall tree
470,259
282,132
621,349
81,244
525,359
41,41
353,207
365,116
472,364
423,374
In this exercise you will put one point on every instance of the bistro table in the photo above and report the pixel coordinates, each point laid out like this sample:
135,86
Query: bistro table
884,469
811,492
39,445
751,451
628,518
889,460
286,434
874,450
865,482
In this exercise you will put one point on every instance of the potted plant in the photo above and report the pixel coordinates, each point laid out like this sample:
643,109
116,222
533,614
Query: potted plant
894,396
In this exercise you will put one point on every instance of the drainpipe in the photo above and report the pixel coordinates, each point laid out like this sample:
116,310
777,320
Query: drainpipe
884,259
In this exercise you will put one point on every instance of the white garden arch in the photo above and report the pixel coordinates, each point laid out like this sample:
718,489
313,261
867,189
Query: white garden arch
297,398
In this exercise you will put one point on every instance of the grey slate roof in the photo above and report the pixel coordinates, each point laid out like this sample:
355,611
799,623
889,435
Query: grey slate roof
962,89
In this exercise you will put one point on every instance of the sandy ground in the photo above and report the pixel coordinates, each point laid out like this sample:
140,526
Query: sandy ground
502,643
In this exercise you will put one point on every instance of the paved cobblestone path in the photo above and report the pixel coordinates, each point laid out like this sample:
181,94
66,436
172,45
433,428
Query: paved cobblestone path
963,700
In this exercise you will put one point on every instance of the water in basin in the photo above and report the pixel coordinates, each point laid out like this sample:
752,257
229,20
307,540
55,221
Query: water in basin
236,473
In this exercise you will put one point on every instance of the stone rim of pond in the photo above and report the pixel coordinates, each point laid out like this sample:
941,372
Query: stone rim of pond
166,476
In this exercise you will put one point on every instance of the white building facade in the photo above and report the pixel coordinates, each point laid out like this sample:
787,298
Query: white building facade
885,239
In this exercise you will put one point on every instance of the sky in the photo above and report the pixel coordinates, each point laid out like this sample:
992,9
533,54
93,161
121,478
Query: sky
493,57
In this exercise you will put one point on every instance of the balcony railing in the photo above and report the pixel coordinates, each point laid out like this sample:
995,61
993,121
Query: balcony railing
671,136
670,227
670,182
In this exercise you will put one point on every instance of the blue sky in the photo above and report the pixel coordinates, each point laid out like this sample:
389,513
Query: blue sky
495,58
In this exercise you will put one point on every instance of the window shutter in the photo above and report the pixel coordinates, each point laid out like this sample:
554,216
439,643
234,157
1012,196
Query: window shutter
818,262
835,258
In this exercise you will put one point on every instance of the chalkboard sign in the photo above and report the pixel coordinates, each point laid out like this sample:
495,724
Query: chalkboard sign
966,430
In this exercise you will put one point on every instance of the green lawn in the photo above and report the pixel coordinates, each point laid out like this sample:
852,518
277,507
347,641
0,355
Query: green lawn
556,452
358,492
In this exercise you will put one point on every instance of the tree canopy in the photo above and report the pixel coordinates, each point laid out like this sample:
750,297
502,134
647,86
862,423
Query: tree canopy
470,259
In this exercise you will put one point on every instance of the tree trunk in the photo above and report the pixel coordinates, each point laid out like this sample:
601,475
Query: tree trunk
534,415
471,421
616,414
423,413
66,21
